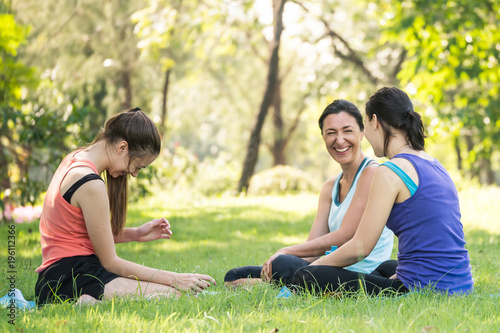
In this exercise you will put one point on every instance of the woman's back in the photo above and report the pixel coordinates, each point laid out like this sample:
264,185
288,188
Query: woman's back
62,227
430,234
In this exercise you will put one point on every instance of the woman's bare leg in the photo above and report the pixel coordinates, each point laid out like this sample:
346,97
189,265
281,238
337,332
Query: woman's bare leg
129,287
243,282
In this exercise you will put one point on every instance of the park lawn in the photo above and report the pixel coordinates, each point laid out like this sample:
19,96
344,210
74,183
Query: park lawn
213,235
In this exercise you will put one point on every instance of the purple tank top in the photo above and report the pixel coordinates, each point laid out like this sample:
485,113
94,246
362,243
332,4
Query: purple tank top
431,249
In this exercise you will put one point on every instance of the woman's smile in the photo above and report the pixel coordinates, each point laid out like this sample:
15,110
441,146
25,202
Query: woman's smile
342,150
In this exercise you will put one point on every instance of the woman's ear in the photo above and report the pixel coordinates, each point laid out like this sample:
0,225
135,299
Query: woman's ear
374,122
122,147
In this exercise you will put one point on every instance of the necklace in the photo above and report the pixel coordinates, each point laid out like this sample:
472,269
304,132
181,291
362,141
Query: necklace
399,149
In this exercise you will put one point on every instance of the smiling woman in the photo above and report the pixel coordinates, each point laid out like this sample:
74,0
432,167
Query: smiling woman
341,204
342,134
83,218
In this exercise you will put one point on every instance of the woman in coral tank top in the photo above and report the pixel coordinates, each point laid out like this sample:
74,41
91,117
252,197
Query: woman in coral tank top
83,217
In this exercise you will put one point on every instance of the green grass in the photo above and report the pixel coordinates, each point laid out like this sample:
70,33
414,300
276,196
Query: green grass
213,235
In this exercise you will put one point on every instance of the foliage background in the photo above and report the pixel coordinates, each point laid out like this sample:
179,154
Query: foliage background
198,68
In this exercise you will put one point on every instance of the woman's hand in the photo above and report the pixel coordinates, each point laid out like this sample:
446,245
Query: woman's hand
267,269
194,283
153,230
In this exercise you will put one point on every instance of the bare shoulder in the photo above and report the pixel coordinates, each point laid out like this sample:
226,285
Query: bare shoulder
328,185
385,175
90,195
368,173
326,190
73,176
330,182
93,191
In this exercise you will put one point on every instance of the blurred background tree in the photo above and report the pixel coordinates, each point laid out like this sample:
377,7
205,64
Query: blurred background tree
14,77
201,70
452,66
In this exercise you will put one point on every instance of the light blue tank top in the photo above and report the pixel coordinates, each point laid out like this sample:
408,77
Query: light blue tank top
383,249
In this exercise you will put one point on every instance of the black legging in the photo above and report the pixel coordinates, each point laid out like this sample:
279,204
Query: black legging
283,267
336,279
299,275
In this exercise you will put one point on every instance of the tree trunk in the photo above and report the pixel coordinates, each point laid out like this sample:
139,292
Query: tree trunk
457,151
278,149
164,108
4,180
486,170
470,147
488,176
255,136
127,86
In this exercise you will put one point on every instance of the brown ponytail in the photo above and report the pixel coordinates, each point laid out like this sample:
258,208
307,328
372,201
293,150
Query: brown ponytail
393,107
143,139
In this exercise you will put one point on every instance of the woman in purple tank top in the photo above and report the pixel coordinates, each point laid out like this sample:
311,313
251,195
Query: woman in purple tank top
414,196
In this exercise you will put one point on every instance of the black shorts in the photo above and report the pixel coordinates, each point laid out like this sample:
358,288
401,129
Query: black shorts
69,278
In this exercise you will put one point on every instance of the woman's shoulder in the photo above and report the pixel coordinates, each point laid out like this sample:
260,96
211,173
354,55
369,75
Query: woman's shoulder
369,170
78,172
330,182
75,174
327,188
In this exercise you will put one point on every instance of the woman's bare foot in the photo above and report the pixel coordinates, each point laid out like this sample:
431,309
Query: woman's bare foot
245,283
87,300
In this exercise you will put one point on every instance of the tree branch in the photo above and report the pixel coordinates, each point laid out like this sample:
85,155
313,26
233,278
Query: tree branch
254,49
399,64
351,55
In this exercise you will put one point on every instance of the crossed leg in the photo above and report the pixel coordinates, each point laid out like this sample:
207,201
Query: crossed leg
129,287
121,287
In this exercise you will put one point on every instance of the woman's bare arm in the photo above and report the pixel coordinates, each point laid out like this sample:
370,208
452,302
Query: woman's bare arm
93,200
317,246
383,193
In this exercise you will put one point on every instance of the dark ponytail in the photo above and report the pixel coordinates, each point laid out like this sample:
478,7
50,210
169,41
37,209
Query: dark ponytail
414,129
394,108
143,139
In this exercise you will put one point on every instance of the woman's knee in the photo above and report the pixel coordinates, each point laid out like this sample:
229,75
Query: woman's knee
304,278
232,275
323,278
243,273
386,269
285,266
121,286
